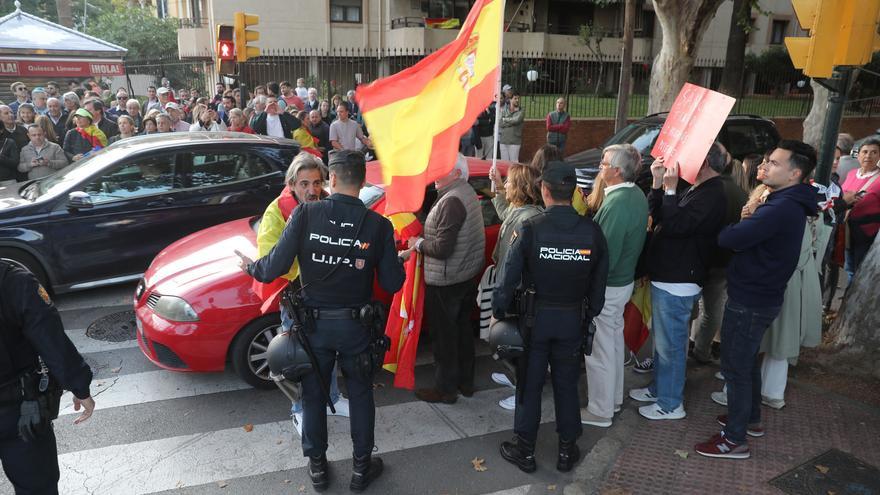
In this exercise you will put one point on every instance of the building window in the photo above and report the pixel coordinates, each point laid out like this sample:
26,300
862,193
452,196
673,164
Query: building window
345,11
778,31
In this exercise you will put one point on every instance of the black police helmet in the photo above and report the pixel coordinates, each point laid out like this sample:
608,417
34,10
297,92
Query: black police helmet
505,341
288,358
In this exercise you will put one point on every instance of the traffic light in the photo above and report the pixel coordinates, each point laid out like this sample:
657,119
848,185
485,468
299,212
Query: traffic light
842,32
243,36
225,50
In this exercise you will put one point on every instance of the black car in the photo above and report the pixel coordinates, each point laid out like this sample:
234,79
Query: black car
103,219
741,135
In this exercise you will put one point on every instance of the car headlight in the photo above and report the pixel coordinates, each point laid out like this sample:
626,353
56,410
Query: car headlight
174,309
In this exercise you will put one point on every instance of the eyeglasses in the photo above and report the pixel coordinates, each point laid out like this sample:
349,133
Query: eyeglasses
21,88
122,98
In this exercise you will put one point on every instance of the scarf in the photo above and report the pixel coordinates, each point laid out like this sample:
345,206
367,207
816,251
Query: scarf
93,135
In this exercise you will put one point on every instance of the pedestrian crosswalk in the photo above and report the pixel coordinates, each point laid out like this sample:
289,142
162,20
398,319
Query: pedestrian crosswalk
158,431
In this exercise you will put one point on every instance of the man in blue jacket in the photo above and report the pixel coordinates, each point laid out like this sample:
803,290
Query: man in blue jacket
766,247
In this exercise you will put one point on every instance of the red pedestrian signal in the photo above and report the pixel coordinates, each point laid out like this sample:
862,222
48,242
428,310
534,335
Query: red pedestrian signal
226,50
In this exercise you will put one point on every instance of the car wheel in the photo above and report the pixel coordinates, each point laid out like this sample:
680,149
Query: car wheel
248,351
24,260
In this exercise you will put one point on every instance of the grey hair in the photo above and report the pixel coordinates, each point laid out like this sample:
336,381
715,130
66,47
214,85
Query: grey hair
133,101
52,98
845,142
163,116
315,90
717,157
38,91
261,99
70,95
304,161
626,158
462,166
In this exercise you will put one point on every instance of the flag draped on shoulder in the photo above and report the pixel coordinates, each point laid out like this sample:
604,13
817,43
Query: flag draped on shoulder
417,116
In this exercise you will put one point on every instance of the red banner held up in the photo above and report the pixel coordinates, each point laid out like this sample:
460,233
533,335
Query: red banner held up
691,127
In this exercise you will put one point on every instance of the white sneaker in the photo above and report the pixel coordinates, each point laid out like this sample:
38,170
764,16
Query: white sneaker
719,376
588,418
298,423
501,379
772,403
719,398
642,395
341,407
653,411
617,408
508,403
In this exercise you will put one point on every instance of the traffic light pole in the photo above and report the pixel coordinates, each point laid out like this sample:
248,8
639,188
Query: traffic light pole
836,103
242,87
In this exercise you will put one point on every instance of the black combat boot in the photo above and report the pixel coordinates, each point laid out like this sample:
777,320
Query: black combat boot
520,452
569,453
365,470
319,472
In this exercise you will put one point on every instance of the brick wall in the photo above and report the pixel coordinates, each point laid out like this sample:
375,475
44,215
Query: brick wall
591,133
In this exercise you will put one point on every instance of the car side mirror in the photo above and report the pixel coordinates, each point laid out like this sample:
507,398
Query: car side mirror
79,200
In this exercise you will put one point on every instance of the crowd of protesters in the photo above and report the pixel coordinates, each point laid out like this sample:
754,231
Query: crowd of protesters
88,117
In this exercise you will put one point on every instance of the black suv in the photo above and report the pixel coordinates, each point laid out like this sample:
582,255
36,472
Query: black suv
741,135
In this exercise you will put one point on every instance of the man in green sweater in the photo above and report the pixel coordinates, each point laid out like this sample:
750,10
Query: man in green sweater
623,218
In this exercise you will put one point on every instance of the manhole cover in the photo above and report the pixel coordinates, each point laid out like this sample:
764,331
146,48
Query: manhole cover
115,327
831,472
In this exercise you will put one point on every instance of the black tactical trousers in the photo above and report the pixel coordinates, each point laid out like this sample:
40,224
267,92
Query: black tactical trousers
556,339
32,467
346,339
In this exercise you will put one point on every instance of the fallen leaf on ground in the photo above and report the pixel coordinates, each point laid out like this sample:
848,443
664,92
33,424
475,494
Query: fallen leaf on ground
822,469
116,370
222,484
478,464
551,487
681,453
286,481
248,427
832,492
302,488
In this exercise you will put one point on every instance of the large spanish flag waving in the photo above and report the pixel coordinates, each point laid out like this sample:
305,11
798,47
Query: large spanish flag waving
417,116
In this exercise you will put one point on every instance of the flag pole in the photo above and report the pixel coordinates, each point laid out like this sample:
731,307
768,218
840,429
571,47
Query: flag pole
496,131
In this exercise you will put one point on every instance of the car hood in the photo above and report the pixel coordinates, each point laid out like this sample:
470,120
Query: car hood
9,197
204,261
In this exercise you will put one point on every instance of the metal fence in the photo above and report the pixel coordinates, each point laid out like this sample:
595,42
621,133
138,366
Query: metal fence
588,82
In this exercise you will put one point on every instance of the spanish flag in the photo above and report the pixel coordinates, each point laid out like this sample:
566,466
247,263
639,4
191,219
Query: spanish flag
417,116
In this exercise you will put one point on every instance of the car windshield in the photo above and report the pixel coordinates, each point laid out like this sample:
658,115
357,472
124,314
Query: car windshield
640,135
60,181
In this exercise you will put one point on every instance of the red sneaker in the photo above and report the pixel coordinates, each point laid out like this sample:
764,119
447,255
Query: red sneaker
720,446
752,430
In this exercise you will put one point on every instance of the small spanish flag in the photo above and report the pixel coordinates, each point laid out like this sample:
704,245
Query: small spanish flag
442,23
417,116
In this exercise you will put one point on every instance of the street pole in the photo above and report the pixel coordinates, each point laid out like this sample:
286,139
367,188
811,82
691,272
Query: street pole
836,103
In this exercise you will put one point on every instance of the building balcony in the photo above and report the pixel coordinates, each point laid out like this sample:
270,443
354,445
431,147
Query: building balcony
195,41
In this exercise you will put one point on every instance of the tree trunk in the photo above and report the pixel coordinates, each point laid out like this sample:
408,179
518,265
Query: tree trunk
815,121
65,18
623,89
682,23
857,326
732,74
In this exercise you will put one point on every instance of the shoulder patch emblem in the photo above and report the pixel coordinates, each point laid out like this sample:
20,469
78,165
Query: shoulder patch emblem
44,295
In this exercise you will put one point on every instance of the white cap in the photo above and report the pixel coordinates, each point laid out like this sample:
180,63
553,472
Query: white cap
162,90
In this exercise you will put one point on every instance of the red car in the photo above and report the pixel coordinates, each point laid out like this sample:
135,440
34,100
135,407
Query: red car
196,310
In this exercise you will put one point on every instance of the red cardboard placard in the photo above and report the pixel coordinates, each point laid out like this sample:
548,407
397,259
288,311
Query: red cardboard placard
691,127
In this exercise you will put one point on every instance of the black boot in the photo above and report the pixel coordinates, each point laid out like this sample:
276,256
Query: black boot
365,470
521,453
319,472
569,453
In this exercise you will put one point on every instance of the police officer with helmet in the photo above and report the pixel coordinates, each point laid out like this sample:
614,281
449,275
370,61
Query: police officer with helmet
559,261
37,362
341,246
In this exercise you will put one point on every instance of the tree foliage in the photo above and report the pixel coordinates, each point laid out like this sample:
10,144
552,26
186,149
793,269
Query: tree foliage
143,34
46,9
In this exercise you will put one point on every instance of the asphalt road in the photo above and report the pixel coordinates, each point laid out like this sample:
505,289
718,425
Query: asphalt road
157,431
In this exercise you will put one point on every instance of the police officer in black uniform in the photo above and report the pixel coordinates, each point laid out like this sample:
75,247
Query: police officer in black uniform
341,246
37,361
563,258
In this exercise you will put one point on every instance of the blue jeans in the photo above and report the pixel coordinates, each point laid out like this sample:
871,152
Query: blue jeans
297,407
742,331
670,322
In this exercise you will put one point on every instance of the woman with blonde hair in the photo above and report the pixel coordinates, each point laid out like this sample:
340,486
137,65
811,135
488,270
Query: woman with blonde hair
45,123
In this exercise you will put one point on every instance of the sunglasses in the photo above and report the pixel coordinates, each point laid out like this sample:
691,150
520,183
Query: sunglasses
21,88
121,98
